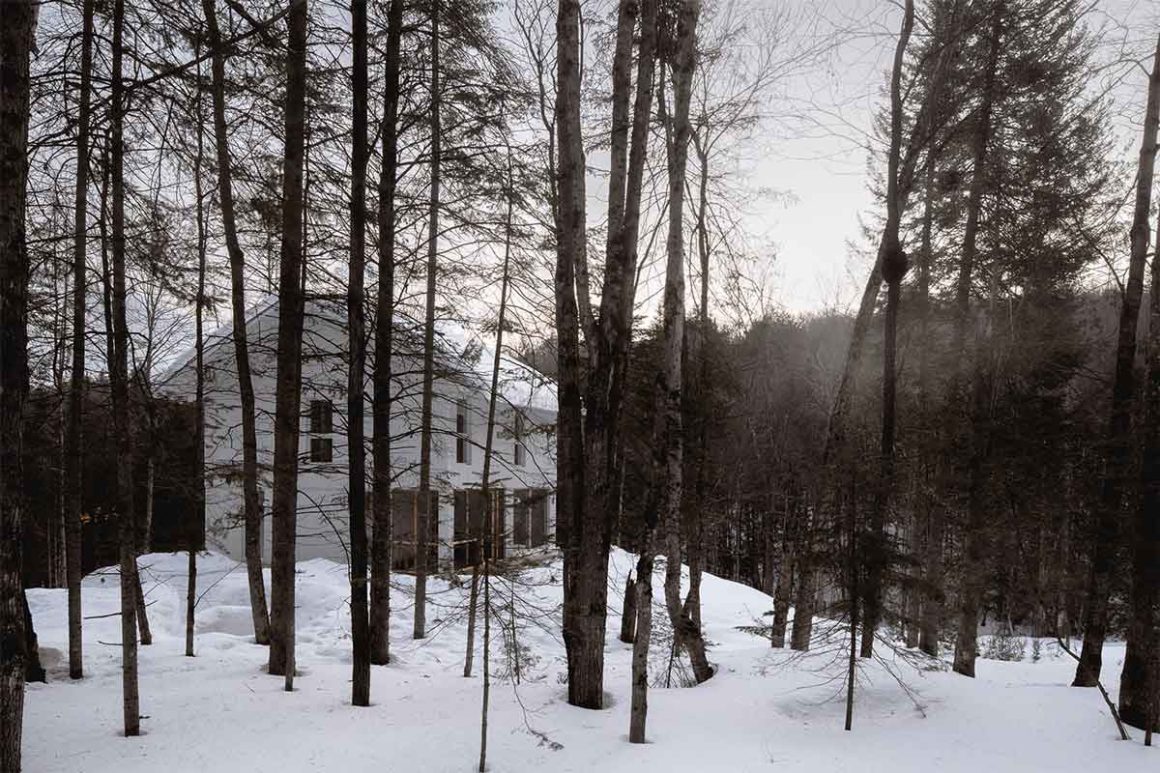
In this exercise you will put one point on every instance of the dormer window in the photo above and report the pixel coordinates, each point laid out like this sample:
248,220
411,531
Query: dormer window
462,434
321,426
521,450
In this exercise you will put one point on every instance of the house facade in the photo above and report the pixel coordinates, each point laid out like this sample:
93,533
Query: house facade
523,463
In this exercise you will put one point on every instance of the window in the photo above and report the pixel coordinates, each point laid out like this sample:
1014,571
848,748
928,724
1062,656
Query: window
462,434
406,516
321,417
321,449
530,521
321,425
521,450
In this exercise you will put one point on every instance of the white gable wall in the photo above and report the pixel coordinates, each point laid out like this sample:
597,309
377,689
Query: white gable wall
323,519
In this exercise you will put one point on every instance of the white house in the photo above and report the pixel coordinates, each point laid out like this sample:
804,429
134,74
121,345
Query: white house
523,470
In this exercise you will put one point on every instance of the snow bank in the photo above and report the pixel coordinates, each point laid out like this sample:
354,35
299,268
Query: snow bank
764,710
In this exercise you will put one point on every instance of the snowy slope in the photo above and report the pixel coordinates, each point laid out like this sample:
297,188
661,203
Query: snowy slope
765,709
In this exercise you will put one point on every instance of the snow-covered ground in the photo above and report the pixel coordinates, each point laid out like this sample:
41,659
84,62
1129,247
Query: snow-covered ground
764,710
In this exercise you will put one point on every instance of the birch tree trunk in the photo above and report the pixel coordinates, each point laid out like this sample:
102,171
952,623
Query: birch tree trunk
670,432
289,386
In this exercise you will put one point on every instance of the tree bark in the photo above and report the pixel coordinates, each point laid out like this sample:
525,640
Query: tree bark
17,37
970,595
420,627
380,609
628,612
931,512
492,529
575,524
289,386
118,377
669,434
196,525
1138,680
355,390
638,712
894,266
251,500
74,439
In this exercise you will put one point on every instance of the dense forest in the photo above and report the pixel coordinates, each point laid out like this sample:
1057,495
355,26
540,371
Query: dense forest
964,458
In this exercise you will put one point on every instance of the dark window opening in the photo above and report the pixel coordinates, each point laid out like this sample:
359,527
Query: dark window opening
405,519
321,417
530,518
471,526
462,435
321,449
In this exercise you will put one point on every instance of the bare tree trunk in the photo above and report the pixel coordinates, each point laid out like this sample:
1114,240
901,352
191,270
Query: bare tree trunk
192,532
628,612
806,593
894,266
380,608
118,378
970,595
1138,680
574,522
251,500
784,583
586,501
638,715
854,595
17,37
931,513
472,604
289,387
420,627
669,434
145,635
491,528
74,455
355,390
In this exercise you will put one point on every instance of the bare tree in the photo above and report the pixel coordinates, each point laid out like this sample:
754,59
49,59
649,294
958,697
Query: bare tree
420,627
1138,679
669,433
355,391
119,382
291,310
251,503
380,610
74,454
17,36
894,266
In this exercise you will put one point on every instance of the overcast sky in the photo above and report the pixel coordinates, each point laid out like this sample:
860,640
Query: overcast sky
821,163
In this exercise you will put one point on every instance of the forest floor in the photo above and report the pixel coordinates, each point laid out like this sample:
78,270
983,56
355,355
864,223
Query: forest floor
764,710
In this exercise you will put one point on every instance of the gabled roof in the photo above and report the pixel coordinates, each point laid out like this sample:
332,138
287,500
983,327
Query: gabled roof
464,352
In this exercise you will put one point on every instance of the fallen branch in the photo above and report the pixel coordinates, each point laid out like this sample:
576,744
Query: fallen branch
1111,706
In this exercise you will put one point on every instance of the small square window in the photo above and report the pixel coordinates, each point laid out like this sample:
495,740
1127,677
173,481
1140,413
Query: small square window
321,417
321,449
